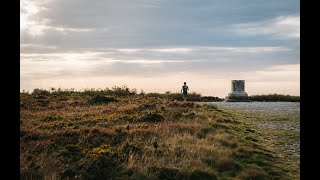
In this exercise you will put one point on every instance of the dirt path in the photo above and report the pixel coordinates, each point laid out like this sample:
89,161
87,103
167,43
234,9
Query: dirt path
278,126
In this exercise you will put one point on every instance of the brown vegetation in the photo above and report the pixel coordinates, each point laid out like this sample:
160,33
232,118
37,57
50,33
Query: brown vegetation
132,136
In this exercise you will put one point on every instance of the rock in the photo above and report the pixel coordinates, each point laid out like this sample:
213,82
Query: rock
237,92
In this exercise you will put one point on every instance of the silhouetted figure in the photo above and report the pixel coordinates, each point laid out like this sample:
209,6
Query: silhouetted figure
184,90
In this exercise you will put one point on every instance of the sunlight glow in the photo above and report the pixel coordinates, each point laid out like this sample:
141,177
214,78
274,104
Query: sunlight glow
27,8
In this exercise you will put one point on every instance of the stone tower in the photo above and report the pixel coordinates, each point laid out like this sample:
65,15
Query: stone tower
237,93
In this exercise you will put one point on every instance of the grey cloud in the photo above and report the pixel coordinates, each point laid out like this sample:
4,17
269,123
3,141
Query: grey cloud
124,34
154,23
199,60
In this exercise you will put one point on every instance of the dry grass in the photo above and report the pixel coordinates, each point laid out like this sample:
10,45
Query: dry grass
134,137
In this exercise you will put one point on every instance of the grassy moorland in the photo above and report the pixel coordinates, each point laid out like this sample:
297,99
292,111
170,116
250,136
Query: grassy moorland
119,134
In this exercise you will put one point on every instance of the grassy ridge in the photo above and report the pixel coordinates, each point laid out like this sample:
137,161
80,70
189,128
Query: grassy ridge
122,91
125,135
275,98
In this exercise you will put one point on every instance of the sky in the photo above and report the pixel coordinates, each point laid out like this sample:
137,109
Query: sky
156,45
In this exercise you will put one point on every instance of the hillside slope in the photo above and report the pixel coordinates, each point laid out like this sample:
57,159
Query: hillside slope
80,136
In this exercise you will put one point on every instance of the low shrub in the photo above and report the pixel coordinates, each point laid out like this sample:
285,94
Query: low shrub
152,117
199,174
102,99
253,172
275,98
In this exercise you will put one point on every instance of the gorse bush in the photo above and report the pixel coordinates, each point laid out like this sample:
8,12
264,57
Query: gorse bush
100,163
102,99
152,117
116,91
275,98
123,91
38,92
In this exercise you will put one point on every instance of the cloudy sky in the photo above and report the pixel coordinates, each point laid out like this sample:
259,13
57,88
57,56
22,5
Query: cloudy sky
156,45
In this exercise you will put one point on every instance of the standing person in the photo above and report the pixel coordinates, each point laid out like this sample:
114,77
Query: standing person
184,90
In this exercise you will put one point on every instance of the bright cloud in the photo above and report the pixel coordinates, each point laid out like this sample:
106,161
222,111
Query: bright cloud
282,26
27,9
